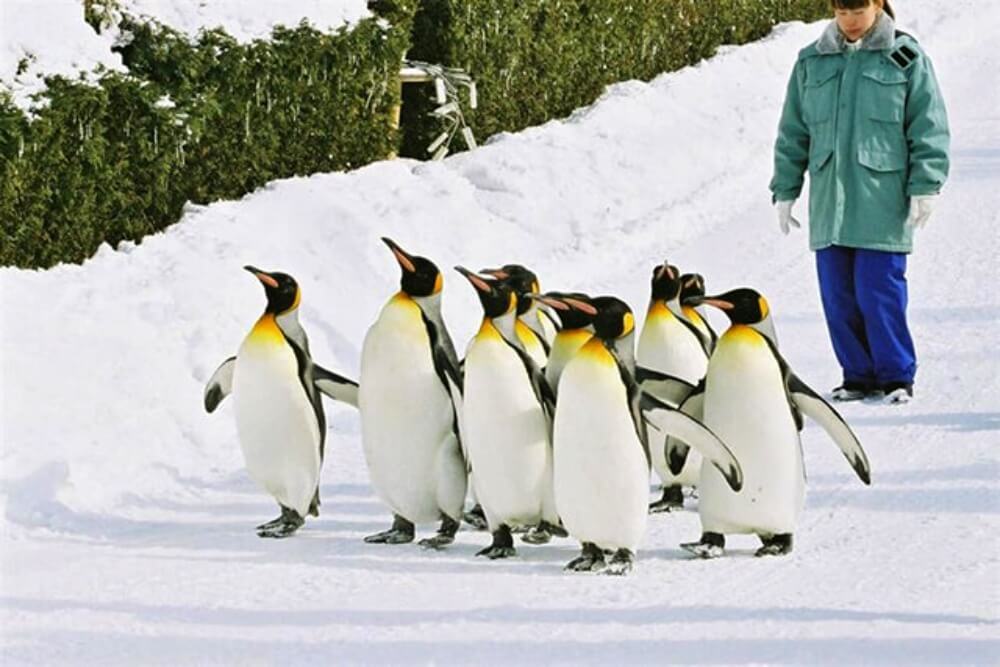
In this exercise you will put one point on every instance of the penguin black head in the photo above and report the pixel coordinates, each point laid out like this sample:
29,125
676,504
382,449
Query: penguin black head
666,282
282,291
521,279
497,296
692,285
569,317
612,316
741,306
420,275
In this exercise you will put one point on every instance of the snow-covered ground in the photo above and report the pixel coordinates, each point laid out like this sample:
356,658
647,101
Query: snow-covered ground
128,517
41,38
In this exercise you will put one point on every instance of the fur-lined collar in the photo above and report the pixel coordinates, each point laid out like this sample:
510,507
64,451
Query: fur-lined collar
881,36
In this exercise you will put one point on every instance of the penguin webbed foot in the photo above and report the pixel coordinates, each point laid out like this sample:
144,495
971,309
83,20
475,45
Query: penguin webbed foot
444,537
502,546
402,532
711,545
621,563
775,545
537,535
672,499
476,518
283,526
543,533
591,559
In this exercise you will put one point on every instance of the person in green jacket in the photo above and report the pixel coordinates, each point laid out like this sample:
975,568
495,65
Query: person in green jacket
864,115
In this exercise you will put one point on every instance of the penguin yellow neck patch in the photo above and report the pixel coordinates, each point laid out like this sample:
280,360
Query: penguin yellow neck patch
764,310
658,310
692,314
741,333
487,330
595,352
266,331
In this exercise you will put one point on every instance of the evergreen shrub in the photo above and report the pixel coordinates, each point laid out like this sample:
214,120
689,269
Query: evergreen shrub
541,59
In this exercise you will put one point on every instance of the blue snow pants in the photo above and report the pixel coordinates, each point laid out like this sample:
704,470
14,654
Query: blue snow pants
864,300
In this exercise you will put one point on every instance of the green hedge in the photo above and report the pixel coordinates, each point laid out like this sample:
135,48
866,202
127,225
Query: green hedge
194,120
208,118
537,60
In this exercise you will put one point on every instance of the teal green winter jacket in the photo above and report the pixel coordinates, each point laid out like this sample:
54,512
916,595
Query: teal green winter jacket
870,126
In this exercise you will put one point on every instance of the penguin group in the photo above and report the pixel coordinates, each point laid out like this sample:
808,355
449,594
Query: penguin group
551,422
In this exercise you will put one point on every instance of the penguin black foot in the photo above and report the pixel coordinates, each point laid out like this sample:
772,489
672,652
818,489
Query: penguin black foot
401,533
673,499
775,545
444,537
537,535
621,563
476,518
543,532
284,526
711,545
503,544
591,559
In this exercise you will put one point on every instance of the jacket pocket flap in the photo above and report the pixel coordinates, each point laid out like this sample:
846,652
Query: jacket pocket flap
820,74
881,160
885,75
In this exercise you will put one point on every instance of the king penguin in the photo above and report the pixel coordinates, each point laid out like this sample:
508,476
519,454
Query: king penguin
276,390
670,344
409,428
575,329
600,441
535,328
506,418
755,402
692,289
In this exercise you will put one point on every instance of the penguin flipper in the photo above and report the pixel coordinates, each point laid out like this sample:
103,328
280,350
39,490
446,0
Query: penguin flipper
220,384
816,408
668,388
453,383
676,451
335,386
675,423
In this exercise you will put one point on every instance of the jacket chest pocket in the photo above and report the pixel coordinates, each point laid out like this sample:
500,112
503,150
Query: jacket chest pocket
882,106
819,94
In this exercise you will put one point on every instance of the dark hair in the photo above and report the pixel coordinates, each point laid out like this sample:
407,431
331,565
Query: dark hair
858,4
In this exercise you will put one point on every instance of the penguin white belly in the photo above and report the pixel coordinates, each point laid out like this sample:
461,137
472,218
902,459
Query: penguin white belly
601,477
666,345
746,406
276,423
506,433
406,413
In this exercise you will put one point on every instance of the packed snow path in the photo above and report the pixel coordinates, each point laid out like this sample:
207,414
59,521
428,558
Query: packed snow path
128,518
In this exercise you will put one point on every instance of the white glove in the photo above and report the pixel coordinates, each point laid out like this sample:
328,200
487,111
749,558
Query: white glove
785,218
921,207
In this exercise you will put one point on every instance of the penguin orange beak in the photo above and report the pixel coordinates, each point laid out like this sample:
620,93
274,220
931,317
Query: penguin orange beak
262,276
711,301
582,306
551,302
476,281
499,274
404,259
